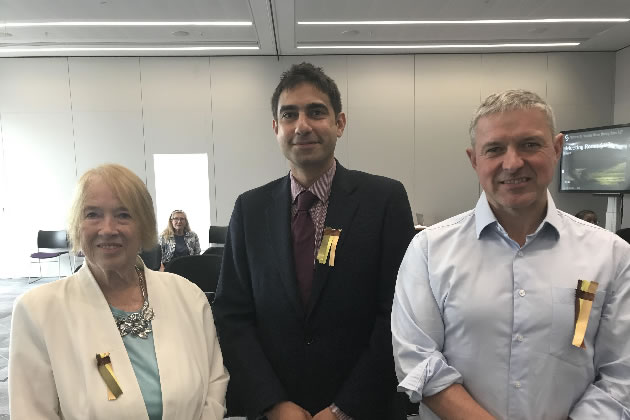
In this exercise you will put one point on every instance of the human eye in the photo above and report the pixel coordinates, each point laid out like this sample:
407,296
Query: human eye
531,145
318,113
90,214
493,150
288,115
124,215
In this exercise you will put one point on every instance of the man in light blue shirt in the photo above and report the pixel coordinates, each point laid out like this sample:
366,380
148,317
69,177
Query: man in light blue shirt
486,320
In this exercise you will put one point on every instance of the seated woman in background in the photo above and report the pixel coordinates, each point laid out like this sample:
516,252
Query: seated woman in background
115,340
587,215
178,240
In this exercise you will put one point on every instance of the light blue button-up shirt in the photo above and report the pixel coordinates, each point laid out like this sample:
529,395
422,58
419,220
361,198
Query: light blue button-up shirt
473,307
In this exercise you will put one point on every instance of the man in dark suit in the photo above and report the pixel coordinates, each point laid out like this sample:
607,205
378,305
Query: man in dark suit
305,292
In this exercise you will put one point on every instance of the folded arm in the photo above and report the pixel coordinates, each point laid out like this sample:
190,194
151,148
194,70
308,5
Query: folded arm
418,338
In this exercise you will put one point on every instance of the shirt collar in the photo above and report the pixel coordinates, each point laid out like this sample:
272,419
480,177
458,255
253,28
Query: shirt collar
321,187
484,216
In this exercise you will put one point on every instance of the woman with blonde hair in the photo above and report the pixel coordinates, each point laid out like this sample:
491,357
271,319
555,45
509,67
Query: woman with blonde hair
177,240
115,340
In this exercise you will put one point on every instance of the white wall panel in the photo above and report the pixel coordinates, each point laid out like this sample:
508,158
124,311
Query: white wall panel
107,113
40,175
245,149
109,137
622,87
448,79
580,90
34,85
177,116
581,79
105,84
447,92
622,101
380,117
513,71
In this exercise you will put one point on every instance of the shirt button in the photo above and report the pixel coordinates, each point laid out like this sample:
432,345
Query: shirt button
519,253
521,293
519,338
517,384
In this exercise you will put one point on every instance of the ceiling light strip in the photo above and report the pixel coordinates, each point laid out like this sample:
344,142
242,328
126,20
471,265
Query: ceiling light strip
461,22
120,49
123,23
436,46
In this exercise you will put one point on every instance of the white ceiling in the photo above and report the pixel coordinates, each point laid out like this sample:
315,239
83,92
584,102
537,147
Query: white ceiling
275,31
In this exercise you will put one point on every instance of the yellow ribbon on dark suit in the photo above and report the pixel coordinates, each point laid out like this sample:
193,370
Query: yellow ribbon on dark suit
104,365
584,297
328,247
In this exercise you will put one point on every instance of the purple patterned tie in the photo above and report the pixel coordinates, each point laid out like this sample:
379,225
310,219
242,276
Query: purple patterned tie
303,232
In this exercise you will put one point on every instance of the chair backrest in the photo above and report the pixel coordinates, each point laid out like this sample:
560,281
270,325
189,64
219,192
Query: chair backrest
152,257
52,239
203,270
218,234
624,234
214,250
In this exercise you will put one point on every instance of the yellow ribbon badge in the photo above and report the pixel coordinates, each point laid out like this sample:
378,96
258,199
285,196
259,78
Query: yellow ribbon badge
584,296
104,365
329,246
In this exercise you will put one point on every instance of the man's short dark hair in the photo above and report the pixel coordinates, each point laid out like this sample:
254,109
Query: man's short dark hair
306,73
588,215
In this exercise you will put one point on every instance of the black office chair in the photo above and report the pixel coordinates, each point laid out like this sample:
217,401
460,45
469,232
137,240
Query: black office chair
217,238
218,234
214,250
152,258
203,270
55,242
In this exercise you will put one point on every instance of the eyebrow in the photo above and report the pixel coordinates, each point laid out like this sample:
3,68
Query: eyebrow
311,106
122,208
491,144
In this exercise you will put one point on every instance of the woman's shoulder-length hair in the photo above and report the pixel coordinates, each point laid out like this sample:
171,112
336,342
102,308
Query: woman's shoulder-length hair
131,192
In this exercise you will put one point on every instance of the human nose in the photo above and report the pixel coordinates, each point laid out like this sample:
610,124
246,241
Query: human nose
512,160
109,226
302,126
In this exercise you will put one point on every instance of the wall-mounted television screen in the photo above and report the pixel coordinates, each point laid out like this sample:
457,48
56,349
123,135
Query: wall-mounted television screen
596,160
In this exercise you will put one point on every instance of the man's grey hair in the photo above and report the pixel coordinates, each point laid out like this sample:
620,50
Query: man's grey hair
511,100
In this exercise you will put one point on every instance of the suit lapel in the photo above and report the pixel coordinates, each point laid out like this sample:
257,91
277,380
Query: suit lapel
279,224
341,209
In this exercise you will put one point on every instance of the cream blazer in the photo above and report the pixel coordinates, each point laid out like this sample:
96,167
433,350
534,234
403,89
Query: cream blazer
58,328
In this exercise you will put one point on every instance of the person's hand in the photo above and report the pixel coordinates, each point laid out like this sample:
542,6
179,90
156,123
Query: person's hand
286,410
325,414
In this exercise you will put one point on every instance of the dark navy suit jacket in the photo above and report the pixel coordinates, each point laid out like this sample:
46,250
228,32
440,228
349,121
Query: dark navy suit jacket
341,349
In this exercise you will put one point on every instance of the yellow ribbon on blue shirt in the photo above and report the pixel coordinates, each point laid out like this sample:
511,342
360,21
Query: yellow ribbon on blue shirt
104,365
584,296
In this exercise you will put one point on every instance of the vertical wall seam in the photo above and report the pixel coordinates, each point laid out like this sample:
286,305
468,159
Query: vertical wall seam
480,99
415,175
74,137
348,131
144,138
213,202
547,78
4,166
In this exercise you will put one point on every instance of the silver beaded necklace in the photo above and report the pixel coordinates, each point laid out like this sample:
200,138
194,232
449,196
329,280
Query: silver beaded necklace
137,323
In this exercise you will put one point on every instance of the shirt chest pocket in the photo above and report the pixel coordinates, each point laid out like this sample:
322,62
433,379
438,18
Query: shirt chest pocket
563,326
